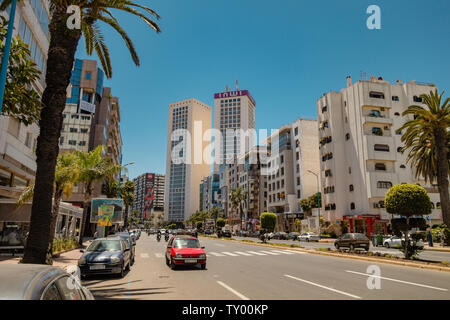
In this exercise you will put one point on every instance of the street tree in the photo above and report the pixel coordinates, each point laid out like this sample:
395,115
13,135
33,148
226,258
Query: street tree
61,55
427,140
238,196
268,222
20,99
127,194
407,200
66,175
110,188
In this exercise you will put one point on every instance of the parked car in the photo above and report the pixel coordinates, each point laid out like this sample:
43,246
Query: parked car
396,242
39,282
106,256
208,231
308,236
293,235
184,250
226,233
280,236
352,241
126,236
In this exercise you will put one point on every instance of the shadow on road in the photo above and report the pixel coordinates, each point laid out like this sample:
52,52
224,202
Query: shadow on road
122,293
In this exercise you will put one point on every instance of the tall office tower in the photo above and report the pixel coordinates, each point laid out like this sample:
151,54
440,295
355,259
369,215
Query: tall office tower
149,194
185,167
232,110
17,141
210,192
361,154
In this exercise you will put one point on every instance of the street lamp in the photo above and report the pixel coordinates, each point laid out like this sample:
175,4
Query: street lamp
318,196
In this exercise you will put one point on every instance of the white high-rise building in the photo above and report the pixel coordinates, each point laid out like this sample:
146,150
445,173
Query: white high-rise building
360,151
232,110
182,192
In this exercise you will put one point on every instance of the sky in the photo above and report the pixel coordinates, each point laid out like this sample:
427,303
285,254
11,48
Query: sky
287,53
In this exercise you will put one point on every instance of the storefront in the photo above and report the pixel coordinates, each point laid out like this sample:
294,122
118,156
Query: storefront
15,222
368,224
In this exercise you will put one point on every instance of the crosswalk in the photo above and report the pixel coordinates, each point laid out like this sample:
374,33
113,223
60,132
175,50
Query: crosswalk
240,253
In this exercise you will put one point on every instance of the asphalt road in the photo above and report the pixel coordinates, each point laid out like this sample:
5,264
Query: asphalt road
428,255
237,271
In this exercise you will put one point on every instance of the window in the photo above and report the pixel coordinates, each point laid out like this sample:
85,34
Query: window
85,130
88,75
350,170
61,140
376,95
351,187
399,149
380,166
324,109
296,131
328,173
352,206
438,205
28,140
347,136
396,114
384,184
73,129
82,143
72,142
297,155
381,147
74,116
375,113
395,98
377,131
14,127
402,166
417,99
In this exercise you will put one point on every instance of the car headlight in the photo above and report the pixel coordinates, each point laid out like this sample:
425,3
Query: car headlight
82,261
115,259
202,256
178,255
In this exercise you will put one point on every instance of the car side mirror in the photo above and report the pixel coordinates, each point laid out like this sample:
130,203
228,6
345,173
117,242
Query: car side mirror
169,246
203,247
82,250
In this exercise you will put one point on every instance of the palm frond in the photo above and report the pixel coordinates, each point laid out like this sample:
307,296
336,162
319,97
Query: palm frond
27,195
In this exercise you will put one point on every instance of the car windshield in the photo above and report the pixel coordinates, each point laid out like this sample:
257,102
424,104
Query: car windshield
360,236
186,243
104,245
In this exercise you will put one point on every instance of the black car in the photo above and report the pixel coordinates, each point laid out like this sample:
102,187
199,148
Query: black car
126,236
226,233
105,256
352,241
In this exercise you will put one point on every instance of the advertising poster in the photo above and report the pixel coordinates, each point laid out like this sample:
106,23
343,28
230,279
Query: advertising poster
106,212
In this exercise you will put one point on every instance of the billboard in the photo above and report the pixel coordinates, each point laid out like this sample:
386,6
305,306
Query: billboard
149,195
106,212
86,106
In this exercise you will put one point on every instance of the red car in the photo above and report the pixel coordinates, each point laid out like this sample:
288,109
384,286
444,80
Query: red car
185,250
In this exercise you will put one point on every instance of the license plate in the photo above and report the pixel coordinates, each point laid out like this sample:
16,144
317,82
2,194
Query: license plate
97,267
190,260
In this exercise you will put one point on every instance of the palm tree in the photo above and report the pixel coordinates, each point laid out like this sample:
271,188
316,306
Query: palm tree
127,194
93,168
215,213
66,175
61,55
238,195
427,139
110,188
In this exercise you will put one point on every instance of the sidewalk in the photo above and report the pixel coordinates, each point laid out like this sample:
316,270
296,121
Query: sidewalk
63,261
437,247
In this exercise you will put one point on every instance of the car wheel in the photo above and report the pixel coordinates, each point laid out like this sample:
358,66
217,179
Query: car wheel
307,240
203,266
167,261
122,272
132,261
128,266
337,246
172,265
367,248
352,247
386,244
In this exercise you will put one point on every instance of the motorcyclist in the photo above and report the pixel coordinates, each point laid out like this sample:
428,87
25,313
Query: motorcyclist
166,235
158,235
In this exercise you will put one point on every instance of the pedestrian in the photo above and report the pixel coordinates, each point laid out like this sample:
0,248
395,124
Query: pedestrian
430,237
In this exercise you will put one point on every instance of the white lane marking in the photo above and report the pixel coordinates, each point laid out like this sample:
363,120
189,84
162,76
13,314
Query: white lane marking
144,255
281,251
243,253
323,287
395,280
219,244
158,255
216,254
299,252
269,252
233,291
230,254
257,253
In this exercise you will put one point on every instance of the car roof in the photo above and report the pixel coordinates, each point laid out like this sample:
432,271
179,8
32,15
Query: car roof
26,281
184,237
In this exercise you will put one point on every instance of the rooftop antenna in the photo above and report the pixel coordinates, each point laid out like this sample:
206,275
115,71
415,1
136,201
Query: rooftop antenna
237,87
227,88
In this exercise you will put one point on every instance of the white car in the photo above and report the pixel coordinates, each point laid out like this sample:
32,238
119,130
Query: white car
308,236
396,242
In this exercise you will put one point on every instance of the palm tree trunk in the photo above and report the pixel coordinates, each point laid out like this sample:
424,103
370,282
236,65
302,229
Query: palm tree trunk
55,210
442,174
86,205
407,238
61,53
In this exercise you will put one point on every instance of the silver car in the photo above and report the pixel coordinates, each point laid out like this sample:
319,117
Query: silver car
39,282
308,236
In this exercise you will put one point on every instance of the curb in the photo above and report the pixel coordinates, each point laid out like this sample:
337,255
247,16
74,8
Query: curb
408,264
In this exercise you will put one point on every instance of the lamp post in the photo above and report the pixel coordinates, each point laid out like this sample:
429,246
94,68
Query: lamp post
118,189
5,59
318,197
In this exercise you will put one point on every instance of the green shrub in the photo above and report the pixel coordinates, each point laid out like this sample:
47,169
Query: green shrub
268,221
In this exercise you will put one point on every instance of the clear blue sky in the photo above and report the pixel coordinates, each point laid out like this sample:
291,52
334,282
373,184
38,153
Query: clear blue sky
286,52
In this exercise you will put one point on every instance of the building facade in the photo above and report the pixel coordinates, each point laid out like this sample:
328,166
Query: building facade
210,192
360,151
149,194
188,136
233,110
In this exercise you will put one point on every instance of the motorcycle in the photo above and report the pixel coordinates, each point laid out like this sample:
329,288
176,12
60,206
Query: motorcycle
166,237
158,237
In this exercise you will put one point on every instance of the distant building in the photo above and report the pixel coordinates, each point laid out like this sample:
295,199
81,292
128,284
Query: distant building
210,192
149,194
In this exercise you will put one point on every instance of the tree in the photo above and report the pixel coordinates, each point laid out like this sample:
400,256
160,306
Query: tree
407,200
238,195
220,223
199,225
93,168
110,188
311,202
268,221
427,140
215,213
20,100
66,175
127,194
61,56
171,226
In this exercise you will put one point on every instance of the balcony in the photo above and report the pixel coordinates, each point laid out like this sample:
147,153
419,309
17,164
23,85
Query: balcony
374,119
370,141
